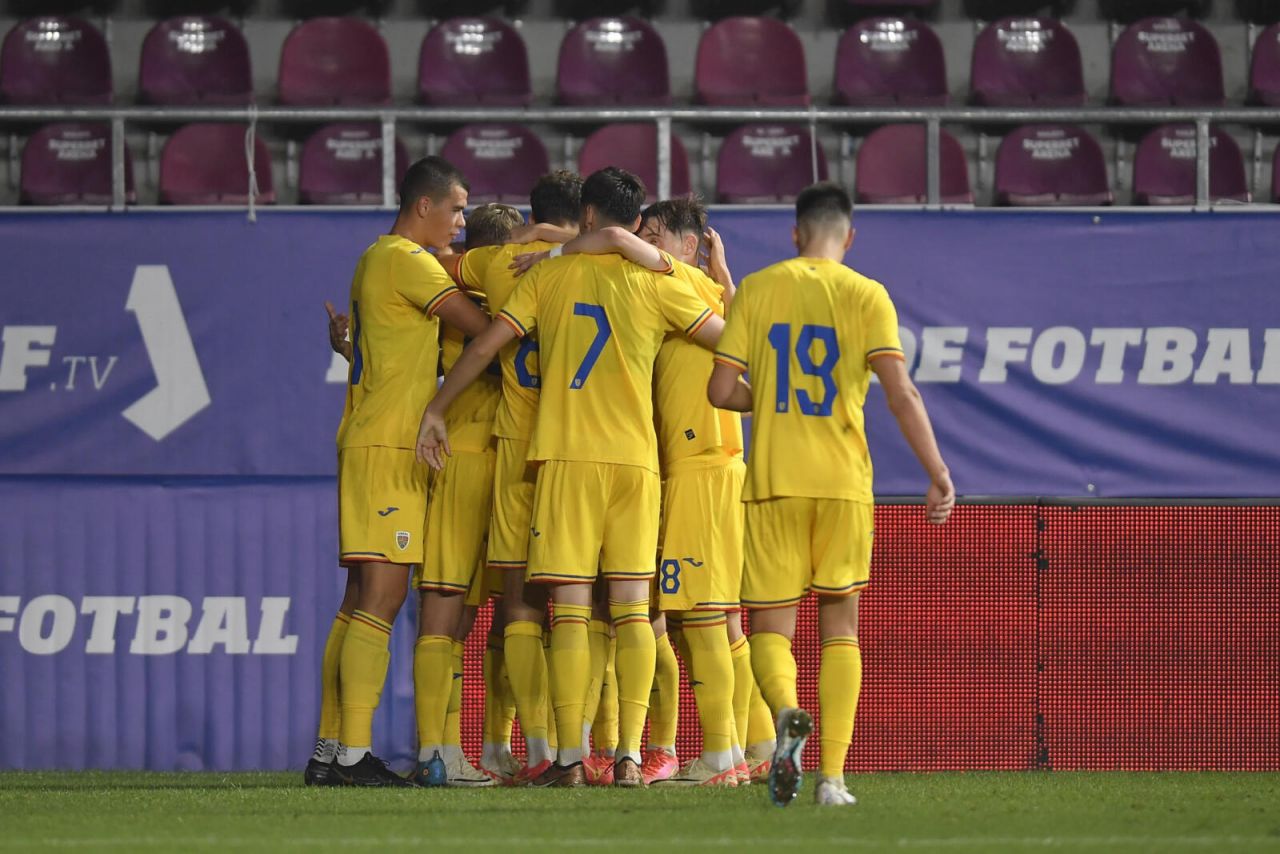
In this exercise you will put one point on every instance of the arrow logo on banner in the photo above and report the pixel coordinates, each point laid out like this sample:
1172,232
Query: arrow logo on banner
180,390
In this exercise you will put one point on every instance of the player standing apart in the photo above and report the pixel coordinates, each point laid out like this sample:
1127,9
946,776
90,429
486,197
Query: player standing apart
811,331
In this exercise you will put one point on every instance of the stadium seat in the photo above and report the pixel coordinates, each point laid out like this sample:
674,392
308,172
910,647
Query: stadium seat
751,62
767,164
70,164
889,62
613,61
341,164
206,164
1128,11
634,147
329,61
892,170
501,162
1166,61
474,61
1164,167
1045,165
55,60
195,60
1027,62
1264,72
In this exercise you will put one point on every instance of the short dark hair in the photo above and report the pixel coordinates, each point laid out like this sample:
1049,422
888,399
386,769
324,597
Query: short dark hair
615,193
490,225
432,177
824,203
557,198
685,215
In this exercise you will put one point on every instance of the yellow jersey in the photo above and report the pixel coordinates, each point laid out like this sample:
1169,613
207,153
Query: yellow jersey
600,321
806,330
470,418
519,359
687,424
397,288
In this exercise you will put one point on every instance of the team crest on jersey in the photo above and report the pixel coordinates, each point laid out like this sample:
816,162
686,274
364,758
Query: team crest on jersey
402,539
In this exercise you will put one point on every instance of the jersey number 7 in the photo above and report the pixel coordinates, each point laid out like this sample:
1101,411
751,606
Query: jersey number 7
603,332
780,340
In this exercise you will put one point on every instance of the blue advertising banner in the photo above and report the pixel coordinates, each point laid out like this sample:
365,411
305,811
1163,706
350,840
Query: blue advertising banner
1064,354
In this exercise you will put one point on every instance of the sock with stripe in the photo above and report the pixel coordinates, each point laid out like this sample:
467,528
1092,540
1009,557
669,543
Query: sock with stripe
570,667
497,725
775,670
453,714
743,680
839,683
362,671
330,730
598,636
711,675
432,687
634,666
664,701
527,669
604,729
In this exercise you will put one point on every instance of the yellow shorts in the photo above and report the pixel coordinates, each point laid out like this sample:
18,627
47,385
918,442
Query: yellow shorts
513,482
457,522
795,545
486,584
700,563
590,517
382,503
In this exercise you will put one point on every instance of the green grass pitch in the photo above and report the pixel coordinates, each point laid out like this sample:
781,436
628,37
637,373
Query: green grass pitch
1095,812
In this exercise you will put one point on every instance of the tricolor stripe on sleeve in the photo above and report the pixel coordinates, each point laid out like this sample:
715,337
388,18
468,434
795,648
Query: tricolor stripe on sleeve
701,321
513,323
433,304
731,361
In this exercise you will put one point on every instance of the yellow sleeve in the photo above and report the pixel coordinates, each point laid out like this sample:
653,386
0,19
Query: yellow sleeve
681,305
521,309
880,320
474,263
732,349
421,280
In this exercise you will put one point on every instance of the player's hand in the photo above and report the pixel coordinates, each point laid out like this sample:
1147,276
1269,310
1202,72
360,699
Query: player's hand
940,499
522,263
433,440
712,251
338,326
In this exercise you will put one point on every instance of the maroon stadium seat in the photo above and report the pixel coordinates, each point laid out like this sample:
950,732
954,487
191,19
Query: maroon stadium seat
1046,165
196,59
1027,62
70,164
474,61
634,147
1161,61
612,61
751,62
205,164
892,170
55,60
1264,72
1164,167
890,61
501,162
334,61
341,164
767,164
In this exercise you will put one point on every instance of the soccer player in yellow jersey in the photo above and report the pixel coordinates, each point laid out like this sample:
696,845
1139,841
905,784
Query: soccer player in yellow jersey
399,294
600,321
810,332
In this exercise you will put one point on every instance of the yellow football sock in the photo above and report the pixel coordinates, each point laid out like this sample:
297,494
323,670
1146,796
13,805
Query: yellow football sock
527,669
497,721
432,683
743,680
664,701
711,674
680,642
453,716
362,670
839,683
330,702
598,637
761,728
604,729
775,670
570,677
634,666
552,740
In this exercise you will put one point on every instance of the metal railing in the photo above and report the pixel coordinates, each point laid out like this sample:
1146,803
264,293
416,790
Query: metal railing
388,117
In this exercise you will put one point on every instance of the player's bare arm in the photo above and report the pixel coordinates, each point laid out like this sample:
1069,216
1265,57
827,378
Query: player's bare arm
708,334
542,231
339,324
728,390
908,408
463,315
605,241
433,439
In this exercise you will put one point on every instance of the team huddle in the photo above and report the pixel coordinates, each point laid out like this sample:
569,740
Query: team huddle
585,450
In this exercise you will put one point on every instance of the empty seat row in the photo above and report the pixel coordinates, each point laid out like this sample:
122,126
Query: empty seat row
623,61
1040,165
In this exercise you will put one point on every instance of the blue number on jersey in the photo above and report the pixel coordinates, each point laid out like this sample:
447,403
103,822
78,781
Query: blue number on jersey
357,361
524,376
780,340
670,581
603,332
